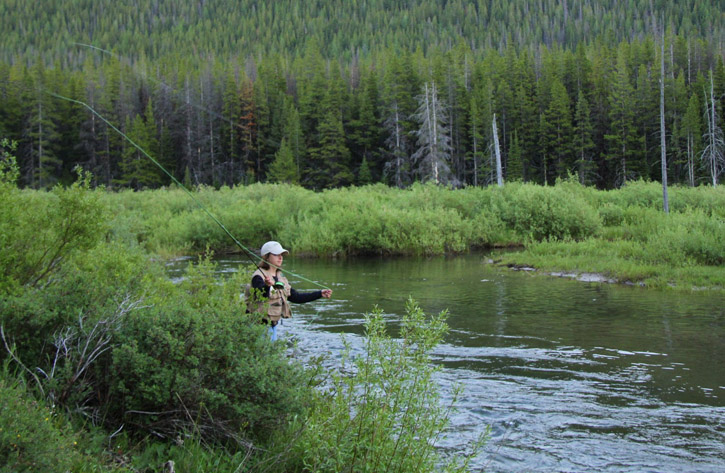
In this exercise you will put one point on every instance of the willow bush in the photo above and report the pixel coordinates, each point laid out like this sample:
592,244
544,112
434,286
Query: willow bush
381,409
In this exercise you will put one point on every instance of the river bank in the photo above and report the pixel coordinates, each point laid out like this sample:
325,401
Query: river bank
621,234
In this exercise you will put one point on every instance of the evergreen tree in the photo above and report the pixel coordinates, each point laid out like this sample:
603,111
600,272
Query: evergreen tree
515,161
646,109
583,142
364,176
231,131
365,129
556,133
137,170
41,163
283,168
330,163
312,84
622,140
676,108
476,154
526,116
256,122
293,134
602,73
398,107
248,132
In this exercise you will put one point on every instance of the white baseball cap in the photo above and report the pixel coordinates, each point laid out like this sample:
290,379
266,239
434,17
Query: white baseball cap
274,248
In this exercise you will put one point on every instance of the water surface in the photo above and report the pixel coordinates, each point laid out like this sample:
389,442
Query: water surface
570,376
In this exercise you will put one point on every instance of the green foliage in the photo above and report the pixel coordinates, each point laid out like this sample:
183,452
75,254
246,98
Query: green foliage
429,24
541,213
141,351
40,230
33,437
190,455
638,242
580,100
194,361
8,165
283,167
381,410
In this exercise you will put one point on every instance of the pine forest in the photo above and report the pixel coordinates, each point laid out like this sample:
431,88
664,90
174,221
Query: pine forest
335,93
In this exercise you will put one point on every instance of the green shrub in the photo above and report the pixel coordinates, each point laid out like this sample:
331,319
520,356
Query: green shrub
32,437
192,360
539,213
381,411
113,338
40,230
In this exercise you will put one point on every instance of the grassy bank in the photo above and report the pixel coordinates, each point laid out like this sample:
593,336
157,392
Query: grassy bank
622,234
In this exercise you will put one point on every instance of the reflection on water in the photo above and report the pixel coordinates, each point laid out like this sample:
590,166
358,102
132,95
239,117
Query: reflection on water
570,376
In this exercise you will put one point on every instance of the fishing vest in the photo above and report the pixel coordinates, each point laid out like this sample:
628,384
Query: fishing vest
278,304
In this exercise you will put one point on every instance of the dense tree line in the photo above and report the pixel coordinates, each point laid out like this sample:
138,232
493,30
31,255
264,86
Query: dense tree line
343,28
397,117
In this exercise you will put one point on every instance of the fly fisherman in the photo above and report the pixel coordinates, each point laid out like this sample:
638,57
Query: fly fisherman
270,283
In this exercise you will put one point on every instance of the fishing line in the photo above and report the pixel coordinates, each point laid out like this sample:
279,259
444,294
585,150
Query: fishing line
188,192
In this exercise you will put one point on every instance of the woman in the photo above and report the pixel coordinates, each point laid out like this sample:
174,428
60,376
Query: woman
270,283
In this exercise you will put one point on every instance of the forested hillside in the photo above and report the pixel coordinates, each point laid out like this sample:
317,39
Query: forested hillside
333,93
343,28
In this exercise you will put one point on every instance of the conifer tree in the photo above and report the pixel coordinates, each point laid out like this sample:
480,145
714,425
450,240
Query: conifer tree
293,134
398,107
312,84
556,133
526,116
515,161
248,132
477,140
283,168
330,163
646,108
364,176
41,163
622,140
256,122
583,142
365,129
137,170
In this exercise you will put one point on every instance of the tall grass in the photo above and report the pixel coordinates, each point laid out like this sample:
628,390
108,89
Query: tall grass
624,232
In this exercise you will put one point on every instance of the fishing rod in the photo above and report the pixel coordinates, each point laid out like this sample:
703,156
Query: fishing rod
252,255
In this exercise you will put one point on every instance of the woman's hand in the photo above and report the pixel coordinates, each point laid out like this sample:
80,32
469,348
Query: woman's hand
326,293
269,280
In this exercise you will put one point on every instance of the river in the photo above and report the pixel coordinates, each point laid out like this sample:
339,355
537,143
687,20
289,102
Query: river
570,376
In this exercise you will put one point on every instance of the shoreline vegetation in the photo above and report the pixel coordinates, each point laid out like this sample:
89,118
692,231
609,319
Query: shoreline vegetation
621,235
108,366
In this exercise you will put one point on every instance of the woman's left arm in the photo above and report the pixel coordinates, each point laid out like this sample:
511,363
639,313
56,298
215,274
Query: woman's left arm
301,297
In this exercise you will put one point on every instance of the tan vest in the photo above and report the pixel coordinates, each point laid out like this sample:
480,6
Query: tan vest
278,304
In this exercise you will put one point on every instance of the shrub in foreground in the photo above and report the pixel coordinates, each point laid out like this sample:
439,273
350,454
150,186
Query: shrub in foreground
32,437
382,409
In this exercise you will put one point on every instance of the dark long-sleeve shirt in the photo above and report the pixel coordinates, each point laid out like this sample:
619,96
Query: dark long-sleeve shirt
295,296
